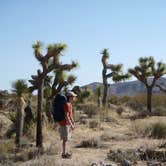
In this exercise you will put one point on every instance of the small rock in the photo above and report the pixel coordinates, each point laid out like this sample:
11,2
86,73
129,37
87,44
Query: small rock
126,163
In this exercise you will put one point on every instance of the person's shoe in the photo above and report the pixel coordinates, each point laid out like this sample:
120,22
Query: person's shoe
69,154
66,156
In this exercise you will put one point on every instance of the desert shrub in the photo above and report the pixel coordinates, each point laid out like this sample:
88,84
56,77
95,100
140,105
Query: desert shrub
159,100
84,121
93,124
6,146
90,143
140,115
162,145
30,132
119,110
12,117
137,102
153,129
159,111
106,136
141,128
158,130
90,109
114,100
118,100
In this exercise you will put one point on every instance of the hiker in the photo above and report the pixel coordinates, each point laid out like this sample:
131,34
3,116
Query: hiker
67,124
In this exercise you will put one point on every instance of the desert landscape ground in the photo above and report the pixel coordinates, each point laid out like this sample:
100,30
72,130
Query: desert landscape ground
118,139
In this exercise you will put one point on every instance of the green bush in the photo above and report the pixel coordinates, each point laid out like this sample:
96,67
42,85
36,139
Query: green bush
158,130
119,110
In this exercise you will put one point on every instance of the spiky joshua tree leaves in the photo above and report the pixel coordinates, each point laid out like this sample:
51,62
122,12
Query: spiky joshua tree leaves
61,80
19,88
148,68
49,62
110,71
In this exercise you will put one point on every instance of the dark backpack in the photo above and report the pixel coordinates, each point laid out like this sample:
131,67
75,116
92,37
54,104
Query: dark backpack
58,107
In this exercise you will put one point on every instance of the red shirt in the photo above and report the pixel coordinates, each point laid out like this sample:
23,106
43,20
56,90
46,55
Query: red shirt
68,111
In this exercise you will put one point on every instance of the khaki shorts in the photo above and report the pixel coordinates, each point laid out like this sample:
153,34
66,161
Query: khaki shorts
65,132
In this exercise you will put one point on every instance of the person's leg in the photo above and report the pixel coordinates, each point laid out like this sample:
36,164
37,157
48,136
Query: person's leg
64,143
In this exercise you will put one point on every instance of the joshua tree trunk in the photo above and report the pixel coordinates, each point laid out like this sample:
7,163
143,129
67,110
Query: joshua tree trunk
20,121
39,138
105,84
149,99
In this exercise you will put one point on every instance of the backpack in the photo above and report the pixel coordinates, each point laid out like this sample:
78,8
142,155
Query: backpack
58,107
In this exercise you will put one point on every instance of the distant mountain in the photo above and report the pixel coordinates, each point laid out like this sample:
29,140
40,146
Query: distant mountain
128,88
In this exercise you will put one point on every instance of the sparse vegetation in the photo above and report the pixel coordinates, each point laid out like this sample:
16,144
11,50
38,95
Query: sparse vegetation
90,109
94,124
158,130
6,146
133,137
90,143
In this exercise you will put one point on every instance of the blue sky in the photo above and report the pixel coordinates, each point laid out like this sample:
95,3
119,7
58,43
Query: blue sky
128,28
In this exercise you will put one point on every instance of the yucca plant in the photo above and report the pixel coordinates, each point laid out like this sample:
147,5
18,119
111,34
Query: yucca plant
19,88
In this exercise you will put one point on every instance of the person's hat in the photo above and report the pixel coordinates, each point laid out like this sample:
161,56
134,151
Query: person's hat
70,93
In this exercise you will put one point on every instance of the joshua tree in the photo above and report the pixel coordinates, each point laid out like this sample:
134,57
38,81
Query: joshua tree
19,88
146,69
49,62
115,74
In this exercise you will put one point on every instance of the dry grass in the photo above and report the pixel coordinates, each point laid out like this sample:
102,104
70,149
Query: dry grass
111,131
6,146
151,126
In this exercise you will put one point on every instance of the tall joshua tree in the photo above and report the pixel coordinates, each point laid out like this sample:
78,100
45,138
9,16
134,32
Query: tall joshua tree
146,69
19,88
49,62
115,73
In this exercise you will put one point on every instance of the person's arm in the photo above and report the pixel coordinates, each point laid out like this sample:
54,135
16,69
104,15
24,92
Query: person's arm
72,120
68,119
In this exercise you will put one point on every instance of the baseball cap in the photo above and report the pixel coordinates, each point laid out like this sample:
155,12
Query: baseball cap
70,93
